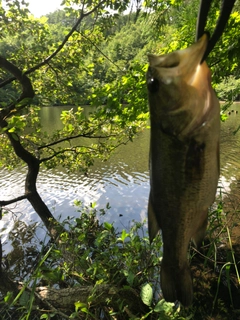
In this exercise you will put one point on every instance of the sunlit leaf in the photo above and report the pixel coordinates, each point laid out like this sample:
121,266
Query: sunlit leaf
146,294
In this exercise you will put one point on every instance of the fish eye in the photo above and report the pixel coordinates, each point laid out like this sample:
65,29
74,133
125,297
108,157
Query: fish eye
153,85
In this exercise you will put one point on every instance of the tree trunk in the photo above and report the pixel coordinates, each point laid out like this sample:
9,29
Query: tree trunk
31,193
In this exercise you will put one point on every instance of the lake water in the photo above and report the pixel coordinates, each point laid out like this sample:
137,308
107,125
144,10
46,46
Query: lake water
123,181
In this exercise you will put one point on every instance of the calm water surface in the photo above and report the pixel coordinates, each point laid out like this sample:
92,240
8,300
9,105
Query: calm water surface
123,181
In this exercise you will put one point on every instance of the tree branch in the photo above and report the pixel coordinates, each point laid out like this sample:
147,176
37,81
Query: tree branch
63,315
63,151
74,149
7,202
65,297
27,89
60,47
88,135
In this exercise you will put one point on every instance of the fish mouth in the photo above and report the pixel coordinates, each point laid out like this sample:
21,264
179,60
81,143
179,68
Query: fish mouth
180,63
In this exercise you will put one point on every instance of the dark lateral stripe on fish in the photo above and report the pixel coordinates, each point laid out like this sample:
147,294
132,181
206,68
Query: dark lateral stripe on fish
195,161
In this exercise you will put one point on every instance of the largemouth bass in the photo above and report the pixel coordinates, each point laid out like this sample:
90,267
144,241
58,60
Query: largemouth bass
184,159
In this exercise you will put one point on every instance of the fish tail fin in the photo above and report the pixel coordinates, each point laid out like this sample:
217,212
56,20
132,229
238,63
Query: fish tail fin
177,284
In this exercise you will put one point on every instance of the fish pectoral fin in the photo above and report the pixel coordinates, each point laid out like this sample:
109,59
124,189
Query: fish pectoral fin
153,226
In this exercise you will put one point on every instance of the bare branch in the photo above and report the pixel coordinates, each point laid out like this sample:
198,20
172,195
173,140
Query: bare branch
89,135
7,202
74,149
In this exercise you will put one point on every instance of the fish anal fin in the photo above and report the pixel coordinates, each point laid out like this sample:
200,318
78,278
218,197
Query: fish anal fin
153,226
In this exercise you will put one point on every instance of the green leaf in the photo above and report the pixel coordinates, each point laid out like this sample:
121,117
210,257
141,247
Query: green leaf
85,310
146,294
163,306
130,278
24,299
8,296
79,305
108,226
25,101
124,235
93,204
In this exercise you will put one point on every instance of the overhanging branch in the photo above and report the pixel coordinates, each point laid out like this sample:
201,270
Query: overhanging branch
74,150
57,153
89,135
7,202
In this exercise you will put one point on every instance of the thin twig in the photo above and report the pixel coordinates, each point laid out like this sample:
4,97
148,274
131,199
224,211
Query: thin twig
102,53
207,258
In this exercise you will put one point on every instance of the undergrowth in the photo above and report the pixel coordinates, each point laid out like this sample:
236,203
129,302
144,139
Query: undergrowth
216,265
120,270
91,255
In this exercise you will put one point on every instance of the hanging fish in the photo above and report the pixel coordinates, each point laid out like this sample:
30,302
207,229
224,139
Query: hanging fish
184,152
184,159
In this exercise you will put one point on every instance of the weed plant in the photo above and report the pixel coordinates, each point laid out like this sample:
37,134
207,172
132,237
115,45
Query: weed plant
96,256
216,268
121,271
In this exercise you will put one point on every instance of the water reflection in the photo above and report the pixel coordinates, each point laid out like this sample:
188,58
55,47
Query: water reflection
122,181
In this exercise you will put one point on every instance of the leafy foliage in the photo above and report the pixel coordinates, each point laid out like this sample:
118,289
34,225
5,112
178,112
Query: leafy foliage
93,254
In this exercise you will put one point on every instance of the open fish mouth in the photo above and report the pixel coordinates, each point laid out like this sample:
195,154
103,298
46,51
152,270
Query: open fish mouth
179,83
181,63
